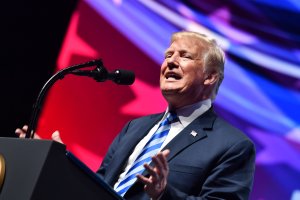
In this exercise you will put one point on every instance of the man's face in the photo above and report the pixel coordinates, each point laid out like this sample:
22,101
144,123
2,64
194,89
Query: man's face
182,72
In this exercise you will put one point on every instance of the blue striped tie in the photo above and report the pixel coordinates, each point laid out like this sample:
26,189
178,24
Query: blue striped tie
150,149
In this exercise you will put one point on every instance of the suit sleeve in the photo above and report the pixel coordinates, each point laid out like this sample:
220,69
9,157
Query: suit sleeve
112,148
231,178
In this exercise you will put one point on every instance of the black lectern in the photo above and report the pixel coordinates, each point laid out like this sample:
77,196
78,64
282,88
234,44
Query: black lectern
41,170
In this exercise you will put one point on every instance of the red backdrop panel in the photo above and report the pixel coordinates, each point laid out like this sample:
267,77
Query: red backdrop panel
90,114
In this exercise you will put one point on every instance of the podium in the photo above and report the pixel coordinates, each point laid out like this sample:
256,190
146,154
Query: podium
44,170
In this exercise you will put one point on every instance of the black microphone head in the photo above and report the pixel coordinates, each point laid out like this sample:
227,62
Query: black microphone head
123,77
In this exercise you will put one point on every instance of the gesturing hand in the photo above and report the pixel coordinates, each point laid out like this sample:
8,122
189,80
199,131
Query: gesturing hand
156,183
21,132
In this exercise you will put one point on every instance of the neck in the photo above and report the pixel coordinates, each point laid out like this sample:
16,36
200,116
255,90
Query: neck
173,106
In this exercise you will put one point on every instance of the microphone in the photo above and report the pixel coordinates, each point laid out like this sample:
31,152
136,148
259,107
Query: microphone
122,77
119,76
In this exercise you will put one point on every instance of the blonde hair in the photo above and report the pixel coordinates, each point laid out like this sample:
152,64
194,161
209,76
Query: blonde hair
213,56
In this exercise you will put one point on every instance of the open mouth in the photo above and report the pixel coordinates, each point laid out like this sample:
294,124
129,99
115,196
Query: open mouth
172,76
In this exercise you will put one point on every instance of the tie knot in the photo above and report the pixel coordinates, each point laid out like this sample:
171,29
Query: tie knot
171,117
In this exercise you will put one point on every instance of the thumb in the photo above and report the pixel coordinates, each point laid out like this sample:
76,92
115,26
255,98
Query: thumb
56,137
166,153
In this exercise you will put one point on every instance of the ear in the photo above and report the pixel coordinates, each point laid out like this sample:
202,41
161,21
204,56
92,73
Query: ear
211,78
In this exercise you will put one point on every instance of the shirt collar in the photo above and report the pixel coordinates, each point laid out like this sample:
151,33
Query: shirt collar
189,113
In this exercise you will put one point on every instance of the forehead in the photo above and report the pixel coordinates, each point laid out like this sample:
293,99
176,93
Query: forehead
187,43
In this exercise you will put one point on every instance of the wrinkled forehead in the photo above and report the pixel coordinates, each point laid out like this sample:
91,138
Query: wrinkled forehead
188,43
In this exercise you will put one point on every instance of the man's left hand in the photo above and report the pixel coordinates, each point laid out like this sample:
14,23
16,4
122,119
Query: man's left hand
157,182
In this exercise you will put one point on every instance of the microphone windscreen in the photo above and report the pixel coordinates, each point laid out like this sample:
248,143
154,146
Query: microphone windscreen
123,77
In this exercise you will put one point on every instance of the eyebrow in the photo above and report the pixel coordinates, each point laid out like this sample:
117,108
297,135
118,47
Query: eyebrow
168,51
180,51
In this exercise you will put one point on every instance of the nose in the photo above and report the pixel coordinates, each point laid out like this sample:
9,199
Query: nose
173,61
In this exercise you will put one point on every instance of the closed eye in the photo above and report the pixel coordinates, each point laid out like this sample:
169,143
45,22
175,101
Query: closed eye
187,55
168,56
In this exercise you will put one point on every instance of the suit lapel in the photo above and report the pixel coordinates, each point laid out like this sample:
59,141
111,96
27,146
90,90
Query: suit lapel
133,137
194,132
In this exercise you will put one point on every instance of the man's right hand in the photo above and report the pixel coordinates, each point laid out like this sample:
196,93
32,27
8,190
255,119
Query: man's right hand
21,132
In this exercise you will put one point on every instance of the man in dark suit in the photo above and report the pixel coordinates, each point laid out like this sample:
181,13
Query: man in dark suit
202,157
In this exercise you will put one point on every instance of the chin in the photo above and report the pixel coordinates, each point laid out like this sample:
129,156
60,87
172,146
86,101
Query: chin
170,92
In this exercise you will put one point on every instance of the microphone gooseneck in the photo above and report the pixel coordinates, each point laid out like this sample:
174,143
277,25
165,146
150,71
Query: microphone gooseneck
100,74
119,76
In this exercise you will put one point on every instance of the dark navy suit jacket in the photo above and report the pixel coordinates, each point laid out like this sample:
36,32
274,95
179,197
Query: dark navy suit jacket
217,163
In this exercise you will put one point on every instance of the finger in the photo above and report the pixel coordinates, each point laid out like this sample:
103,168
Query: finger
20,133
160,160
157,160
56,137
153,174
36,136
166,153
163,159
25,128
143,179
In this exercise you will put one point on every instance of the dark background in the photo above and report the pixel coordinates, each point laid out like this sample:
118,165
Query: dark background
31,36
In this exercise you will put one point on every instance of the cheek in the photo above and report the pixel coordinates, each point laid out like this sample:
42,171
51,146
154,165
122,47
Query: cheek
163,68
193,77
163,65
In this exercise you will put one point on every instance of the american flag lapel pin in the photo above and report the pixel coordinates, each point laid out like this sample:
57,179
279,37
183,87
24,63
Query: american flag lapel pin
194,133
